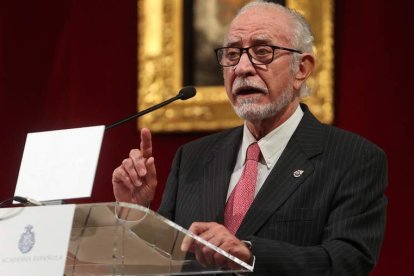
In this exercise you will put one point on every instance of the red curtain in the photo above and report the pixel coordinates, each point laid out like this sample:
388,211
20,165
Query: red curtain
375,43
67,64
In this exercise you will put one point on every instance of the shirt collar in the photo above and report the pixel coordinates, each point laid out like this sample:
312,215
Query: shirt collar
275,141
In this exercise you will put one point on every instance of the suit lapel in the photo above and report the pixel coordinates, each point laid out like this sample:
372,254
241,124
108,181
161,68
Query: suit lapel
216,176
287,174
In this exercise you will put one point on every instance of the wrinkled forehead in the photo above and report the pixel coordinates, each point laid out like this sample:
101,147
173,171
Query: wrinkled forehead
260,25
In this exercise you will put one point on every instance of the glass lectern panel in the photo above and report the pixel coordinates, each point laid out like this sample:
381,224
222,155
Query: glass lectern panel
127,239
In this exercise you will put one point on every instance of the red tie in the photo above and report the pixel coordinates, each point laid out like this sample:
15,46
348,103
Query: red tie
243,194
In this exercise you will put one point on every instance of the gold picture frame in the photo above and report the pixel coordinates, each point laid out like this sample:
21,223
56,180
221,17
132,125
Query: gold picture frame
160,73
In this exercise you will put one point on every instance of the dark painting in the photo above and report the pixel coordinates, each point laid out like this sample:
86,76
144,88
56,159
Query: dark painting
205,25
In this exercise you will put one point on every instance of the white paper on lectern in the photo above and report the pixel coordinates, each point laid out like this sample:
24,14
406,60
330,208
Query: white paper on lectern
34,240
59,164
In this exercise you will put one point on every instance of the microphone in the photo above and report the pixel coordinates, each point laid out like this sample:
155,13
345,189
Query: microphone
23,200
185,93
27,201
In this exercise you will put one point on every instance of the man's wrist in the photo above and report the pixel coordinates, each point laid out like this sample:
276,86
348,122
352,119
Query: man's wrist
249,246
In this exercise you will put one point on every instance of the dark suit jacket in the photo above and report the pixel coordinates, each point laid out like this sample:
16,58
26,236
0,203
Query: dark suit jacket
328,221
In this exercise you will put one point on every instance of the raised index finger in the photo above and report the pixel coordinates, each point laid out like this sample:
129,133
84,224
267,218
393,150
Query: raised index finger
146,143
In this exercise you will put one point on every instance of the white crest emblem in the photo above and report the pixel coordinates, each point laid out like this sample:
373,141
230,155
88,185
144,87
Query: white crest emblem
298,173
27,240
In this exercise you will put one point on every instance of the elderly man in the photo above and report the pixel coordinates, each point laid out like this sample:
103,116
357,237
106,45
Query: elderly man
283,192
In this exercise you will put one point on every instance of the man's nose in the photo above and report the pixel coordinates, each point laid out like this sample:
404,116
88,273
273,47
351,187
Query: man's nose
245,66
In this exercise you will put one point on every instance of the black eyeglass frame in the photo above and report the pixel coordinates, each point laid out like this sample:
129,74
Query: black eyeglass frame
274,47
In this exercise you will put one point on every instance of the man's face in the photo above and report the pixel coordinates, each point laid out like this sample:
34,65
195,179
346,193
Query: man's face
258,92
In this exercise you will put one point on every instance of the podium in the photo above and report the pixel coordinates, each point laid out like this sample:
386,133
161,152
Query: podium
127,239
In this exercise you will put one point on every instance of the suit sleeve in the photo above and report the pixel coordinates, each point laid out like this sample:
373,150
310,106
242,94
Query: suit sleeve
352,234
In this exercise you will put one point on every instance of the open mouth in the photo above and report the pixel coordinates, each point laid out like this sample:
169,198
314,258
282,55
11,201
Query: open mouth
248,90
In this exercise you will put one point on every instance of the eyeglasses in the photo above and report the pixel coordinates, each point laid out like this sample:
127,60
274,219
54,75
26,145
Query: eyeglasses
258,54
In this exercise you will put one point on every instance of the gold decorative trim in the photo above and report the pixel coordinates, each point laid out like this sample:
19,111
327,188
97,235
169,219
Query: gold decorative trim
320,16
160,69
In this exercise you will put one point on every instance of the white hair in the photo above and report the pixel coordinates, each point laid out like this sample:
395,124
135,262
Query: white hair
302,39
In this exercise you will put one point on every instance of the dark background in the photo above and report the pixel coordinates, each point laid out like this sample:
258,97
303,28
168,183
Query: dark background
67,64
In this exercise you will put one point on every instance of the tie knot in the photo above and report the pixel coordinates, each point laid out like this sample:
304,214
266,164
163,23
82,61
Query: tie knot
253,152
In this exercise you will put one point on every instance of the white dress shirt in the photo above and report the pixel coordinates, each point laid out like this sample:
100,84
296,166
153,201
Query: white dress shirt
271,147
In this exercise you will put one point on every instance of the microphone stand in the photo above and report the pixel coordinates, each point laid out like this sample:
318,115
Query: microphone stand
184,94
143,112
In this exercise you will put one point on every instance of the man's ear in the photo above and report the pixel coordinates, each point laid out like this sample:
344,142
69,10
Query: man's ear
305,68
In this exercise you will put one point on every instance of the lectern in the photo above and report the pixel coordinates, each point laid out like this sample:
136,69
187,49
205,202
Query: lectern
127,239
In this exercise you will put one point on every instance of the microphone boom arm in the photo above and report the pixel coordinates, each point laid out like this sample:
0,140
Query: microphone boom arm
143,112
184,94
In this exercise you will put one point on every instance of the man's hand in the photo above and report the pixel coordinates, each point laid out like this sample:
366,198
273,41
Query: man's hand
135,180
219,236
